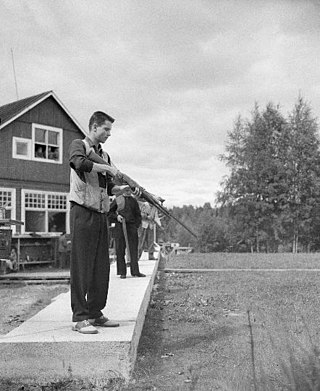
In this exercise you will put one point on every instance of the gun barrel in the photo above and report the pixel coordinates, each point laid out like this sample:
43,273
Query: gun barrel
149,198
184,226
144,194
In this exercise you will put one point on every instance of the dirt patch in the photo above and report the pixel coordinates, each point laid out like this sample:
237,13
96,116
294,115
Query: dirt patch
188,341
20,302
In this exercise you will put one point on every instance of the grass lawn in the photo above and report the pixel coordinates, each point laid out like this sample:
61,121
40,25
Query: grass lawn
233,330
245,261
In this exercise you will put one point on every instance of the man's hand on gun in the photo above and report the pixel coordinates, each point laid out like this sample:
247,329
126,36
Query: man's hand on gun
119,218
136,191
120,189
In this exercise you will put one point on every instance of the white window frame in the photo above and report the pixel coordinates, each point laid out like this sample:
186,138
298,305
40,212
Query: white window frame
15,141
13,204
60,145
44,209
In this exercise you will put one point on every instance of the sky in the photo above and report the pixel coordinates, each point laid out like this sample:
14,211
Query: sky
175,74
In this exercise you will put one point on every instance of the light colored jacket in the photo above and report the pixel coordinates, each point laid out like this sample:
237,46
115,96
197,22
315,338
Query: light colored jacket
87,192
149,215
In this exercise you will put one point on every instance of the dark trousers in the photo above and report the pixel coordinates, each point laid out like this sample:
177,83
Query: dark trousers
132,233
89,263
62,259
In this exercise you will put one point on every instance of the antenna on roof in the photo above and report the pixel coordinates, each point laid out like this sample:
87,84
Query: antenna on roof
14,74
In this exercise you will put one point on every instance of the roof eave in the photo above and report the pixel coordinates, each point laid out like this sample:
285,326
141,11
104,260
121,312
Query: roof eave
31,106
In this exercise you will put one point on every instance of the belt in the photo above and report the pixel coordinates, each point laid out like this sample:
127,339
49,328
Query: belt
88,208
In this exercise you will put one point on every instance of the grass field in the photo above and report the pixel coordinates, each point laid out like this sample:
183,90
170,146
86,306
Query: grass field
245,260
233,330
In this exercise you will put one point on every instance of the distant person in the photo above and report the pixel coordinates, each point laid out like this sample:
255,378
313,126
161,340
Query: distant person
125,213
146,242
150,217
62,251
39,152
90,186
53,153
12,262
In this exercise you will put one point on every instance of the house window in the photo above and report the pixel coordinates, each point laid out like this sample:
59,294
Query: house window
21,148
8,201
44,212
46,143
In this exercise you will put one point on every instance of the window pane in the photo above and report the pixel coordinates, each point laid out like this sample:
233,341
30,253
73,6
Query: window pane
6,202
40,135
5,199
21,148
40,151
46,144
34,200
52,137
57,201
53,153
57,221
35,221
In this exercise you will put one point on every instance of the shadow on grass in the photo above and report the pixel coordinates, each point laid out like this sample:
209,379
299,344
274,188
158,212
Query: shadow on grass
300,370
296,362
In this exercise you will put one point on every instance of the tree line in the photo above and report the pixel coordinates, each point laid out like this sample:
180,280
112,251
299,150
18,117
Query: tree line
270,200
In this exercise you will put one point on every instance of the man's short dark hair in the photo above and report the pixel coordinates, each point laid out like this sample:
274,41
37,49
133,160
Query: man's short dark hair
99,117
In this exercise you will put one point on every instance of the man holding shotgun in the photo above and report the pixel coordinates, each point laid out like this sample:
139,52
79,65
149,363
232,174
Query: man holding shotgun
90,186
139,191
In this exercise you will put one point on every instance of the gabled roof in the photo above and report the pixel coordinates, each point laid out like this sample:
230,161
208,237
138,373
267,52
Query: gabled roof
12,111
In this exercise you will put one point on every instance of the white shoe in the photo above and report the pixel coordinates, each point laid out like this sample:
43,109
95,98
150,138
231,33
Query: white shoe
84,327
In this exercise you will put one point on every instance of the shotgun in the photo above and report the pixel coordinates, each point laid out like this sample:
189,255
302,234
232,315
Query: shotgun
143,193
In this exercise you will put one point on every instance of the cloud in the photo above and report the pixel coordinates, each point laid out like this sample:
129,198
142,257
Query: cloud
174,74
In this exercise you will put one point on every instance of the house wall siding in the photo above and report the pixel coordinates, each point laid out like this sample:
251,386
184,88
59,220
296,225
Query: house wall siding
21,174
46,113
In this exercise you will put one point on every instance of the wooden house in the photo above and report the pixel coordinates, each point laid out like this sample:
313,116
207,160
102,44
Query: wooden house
34,171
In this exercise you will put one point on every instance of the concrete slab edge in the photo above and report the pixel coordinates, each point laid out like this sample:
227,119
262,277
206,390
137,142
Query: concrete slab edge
141,316
122,354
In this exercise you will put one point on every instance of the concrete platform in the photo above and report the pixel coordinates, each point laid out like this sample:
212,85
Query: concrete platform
44,349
